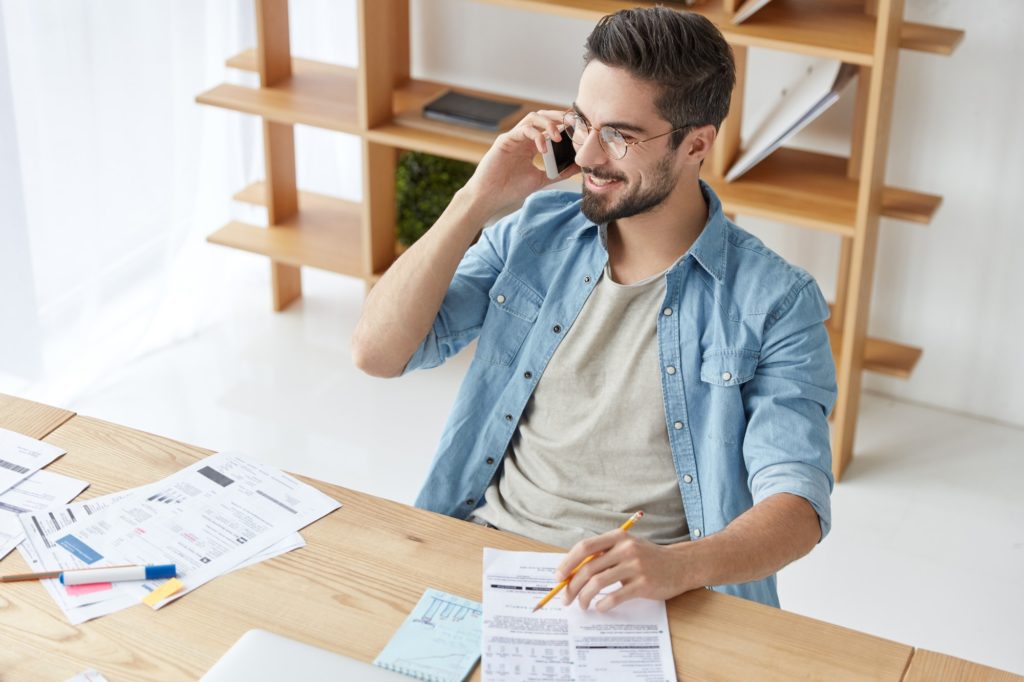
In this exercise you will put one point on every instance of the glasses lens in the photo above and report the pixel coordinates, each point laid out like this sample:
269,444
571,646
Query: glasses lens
576,128
614,143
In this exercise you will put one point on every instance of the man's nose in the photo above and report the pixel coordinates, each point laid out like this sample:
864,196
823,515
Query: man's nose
591,152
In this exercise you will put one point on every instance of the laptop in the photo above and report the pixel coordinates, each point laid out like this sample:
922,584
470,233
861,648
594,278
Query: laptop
260,655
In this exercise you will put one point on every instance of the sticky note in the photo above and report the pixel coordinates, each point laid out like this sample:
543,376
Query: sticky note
88,588
172,586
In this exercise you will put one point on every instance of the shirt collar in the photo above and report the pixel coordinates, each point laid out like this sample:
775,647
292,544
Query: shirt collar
710,248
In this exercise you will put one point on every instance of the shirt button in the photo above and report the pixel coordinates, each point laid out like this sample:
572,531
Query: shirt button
677,425
471,502
557,329
500,298
527,375
726,376
667,311
687,478
670,369
508,417
490,460
586,280
696,532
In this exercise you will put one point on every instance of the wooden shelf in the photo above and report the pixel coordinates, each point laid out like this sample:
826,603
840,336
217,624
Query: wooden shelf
813,190
838,29
409,130
326,234
883,357
318,94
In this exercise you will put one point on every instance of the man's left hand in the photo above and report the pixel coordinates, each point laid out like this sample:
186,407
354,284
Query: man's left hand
645,570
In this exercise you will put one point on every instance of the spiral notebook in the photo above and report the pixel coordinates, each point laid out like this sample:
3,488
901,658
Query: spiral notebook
439,640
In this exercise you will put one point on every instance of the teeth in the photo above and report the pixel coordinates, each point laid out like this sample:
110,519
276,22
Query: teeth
598,182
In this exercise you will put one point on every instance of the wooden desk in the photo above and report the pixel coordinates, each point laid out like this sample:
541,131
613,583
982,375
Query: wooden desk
364,568
32,419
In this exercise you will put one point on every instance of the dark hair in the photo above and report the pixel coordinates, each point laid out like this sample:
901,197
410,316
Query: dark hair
682,53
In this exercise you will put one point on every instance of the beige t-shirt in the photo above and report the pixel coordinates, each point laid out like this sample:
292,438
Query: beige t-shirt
592,444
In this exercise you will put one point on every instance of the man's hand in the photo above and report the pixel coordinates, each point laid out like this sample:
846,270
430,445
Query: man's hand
507,175
645,570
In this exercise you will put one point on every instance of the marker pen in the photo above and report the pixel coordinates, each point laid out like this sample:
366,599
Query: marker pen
114,574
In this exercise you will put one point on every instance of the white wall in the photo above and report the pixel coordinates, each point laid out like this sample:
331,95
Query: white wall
953,287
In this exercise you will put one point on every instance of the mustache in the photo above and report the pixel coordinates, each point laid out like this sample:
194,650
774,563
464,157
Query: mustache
602,175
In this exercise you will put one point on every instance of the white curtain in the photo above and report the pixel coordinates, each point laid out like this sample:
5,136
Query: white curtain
112,176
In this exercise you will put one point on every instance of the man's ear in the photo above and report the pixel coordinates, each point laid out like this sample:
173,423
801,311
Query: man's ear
697,144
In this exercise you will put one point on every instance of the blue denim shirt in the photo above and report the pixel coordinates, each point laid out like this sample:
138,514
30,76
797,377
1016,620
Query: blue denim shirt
747,375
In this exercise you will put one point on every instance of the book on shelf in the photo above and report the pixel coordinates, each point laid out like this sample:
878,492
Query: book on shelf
459,108
818,88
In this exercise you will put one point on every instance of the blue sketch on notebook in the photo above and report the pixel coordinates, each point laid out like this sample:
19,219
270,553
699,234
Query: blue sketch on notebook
439,640
445,609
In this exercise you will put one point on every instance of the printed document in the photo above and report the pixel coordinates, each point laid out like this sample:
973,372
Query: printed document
21,456
39,491
222,512
566,644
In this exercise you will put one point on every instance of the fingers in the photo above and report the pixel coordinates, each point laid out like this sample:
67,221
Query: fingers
593,576
584,548
539,126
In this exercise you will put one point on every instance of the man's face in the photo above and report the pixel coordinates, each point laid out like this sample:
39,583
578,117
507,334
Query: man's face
647,174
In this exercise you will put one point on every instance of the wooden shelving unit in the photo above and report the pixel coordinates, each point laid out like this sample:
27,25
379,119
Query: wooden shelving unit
846,197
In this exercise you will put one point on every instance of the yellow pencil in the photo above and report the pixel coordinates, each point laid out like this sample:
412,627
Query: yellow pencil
558,588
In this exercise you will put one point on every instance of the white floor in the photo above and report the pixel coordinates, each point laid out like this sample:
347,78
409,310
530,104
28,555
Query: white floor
927,546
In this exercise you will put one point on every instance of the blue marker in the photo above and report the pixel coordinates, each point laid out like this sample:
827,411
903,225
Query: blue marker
115,574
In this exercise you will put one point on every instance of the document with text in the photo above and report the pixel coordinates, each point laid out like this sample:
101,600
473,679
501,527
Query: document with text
219,514
40,491
22,456
565,643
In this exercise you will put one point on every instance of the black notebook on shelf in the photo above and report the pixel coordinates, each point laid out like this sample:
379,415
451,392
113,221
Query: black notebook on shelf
467,110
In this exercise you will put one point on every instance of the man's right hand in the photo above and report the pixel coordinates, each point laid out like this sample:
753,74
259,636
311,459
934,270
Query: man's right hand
400,309
506,175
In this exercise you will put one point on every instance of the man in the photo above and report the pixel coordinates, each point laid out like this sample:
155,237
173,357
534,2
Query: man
636,349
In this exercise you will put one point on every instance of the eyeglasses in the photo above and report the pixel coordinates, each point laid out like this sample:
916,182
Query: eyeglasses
612,141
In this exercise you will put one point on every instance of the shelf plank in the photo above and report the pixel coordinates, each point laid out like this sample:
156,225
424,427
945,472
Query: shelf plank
318,94
325,234
934,39
880,356
812,190
837,29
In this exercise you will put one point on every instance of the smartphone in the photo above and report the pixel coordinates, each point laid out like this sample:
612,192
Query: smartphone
559,155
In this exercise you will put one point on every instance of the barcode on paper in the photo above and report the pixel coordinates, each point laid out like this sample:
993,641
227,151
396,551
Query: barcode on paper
13,467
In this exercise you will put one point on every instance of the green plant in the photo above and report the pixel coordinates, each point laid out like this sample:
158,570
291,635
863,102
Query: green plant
424,186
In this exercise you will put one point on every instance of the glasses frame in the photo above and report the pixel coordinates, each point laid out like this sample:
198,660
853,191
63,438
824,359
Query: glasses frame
589,128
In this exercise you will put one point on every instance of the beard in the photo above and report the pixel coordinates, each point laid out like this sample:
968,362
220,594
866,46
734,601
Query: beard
601,210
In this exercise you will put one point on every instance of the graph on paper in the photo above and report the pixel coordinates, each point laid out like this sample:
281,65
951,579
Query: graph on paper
439,640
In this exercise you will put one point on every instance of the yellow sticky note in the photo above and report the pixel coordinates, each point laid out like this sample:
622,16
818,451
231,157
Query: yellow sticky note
172,586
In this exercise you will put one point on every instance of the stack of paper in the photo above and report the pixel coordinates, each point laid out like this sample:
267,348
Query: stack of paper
24,487
802,102
222,513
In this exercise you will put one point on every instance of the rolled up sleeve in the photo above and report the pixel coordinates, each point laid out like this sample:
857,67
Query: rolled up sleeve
786,447
465,304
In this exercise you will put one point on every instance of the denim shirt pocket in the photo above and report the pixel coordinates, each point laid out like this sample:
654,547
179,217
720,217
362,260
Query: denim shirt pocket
512,311
728,366
724,371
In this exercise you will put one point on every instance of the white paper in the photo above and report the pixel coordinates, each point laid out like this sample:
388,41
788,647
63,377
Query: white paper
817,90
21,456
41,490
747,10
219,514
565,644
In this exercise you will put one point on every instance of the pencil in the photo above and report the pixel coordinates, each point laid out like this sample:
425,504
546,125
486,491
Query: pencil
558,588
